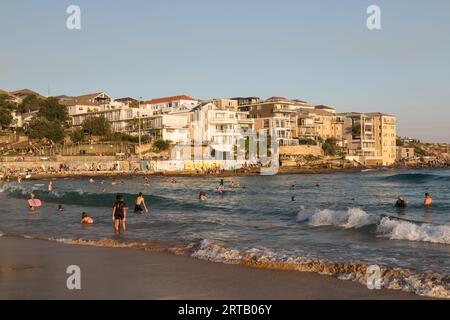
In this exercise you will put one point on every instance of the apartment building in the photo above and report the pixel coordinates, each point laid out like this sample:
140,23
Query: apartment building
385,130
226,104
370,137
319,124
220,130
275,115
169,104
173,127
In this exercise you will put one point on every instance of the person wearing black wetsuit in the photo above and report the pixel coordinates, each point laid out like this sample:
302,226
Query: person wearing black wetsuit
119,213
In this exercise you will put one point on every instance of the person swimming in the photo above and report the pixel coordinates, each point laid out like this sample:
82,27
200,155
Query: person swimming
428,200
401,203
60,208
113,182
50,186
146,183
91,180
202,196
293,198
221,187
85,219
139,204
119,213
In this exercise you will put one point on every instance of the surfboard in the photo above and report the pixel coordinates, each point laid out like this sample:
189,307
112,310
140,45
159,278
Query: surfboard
34,202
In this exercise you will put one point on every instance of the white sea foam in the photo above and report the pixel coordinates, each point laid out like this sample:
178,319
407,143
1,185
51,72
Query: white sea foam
403,230
213,251
425,284
352,218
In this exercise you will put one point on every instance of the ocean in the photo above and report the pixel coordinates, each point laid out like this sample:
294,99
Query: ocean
339,223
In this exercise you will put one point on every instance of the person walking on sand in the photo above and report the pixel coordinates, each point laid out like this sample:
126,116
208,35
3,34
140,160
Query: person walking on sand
119,214
139,204
428,200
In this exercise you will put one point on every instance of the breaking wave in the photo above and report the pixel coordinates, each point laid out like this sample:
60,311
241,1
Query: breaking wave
404,230
388,227
352,218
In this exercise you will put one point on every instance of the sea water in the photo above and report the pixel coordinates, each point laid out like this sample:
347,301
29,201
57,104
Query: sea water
338,224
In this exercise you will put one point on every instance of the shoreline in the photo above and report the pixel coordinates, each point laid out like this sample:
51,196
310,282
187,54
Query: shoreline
36,269
237,173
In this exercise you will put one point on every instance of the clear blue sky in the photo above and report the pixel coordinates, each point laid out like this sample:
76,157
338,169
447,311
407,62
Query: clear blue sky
319,51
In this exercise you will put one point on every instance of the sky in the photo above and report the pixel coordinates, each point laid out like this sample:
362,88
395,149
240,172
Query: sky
320,51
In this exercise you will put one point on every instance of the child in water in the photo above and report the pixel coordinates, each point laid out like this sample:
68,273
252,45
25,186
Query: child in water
202,196
85,219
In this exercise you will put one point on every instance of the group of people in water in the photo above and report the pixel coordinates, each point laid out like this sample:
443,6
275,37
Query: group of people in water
401,202
119,210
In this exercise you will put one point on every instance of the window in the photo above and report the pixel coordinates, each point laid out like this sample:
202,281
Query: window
266,123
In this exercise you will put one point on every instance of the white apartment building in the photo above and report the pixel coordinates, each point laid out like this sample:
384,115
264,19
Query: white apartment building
219,129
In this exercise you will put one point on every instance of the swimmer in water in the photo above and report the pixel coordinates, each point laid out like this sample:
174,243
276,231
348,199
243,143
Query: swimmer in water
293,198
400,203
146,183
60,208
202,196
221,187
232,184
91,180
113,182
19,179
139,204
428,200
50,186
85,219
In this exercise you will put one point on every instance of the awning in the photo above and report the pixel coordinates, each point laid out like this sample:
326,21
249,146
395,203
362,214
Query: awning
223,147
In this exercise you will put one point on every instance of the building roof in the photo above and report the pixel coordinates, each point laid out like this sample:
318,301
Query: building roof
86,99
323,107
379,114
168,99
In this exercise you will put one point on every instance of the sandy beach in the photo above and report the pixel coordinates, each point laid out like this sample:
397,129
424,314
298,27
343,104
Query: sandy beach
36,269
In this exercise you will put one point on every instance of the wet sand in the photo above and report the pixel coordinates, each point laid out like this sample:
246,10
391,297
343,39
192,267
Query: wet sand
36,269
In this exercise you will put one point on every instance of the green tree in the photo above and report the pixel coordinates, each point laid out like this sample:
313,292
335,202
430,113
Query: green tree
308,142
161,145
30,103
7,102
51,110
96,126
77,136
5,118
329,147
41,127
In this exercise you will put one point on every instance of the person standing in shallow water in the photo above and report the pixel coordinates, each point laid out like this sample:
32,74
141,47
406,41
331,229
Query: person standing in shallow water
428,200
119,214
139,205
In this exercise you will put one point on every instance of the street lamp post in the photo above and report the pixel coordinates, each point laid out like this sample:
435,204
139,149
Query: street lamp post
139,125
